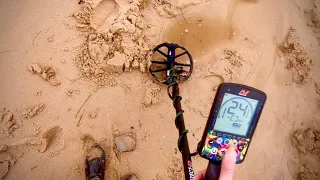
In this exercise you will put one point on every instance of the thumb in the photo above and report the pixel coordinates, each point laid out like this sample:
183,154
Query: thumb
200,175
228,164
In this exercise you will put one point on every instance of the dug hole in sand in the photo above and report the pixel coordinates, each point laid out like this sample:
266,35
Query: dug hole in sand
75,73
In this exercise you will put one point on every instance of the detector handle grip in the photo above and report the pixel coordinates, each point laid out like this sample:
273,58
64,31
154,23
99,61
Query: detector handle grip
213,172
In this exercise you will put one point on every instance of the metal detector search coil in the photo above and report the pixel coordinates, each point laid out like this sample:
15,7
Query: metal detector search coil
172,64
167,57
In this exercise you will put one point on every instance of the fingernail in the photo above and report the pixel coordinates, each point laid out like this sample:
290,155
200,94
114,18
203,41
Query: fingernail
231,153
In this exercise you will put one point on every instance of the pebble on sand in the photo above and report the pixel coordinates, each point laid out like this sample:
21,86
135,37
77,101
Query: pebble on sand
125,143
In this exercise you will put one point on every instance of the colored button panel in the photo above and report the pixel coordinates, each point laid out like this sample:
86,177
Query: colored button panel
216,147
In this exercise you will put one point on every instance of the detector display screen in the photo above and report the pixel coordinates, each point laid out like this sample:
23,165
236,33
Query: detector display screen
235,114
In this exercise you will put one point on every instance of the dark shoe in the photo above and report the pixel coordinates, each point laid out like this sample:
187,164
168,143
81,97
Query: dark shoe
95,163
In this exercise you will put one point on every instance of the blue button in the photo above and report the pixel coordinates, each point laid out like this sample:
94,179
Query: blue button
226,142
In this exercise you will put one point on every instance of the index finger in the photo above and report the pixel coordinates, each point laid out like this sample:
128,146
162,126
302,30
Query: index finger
228,164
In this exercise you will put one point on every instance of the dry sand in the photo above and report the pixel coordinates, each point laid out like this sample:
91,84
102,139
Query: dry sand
74,73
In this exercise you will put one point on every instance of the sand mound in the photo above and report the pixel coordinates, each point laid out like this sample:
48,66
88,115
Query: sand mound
6,162
307,142
172,8
313,18
307,174
175,170
111,50
152,93
47,73
29,113
297,59
233,57
8,122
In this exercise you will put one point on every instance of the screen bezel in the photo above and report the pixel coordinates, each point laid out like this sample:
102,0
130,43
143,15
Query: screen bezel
233,89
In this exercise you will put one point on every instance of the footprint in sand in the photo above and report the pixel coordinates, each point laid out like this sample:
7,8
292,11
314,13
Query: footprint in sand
104,13
87,141
52,139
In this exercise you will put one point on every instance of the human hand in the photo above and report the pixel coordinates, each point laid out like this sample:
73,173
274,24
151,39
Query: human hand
227,166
